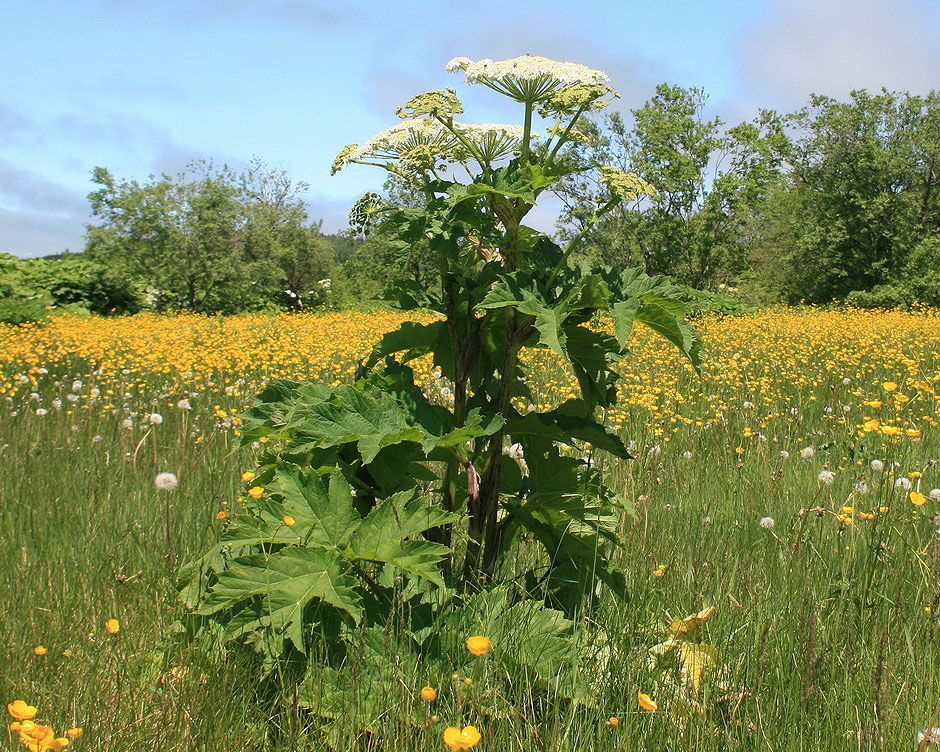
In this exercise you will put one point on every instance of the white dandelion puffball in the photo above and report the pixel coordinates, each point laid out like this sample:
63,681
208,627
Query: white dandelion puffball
77,385
41,411
767,522
654,451
166,482
861,488
784,454
846,381
687,455
931,735
826,476
903,484
877,465
155,419
127,423
935,494
184,404
807,453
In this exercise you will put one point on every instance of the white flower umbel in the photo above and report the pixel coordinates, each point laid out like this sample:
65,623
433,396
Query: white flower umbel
493,140
528,78
402,139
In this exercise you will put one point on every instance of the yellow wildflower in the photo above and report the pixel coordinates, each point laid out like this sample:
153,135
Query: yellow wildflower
465,738
645,702
478,645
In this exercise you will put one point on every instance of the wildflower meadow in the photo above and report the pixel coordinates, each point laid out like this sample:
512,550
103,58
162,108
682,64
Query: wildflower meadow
788,494
546,504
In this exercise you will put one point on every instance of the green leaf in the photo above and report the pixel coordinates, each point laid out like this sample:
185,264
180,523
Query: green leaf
675,329
417,339
323,518
283,584
520,291
623,313
410,296
592,354
382,535
562,426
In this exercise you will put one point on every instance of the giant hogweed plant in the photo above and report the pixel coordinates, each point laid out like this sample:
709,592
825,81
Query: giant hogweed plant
376,508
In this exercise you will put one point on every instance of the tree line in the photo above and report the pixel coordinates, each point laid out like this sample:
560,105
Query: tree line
837,201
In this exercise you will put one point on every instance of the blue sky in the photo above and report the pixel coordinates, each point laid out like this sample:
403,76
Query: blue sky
143,88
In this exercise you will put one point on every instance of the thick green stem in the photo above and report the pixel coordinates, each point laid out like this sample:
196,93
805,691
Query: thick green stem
576,241
526,132
563,137
484,508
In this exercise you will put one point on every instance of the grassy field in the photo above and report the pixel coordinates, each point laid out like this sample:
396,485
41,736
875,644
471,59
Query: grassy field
791,488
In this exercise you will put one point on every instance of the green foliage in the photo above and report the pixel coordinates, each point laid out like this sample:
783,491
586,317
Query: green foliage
211,240
863,192
29,288
705,178
376,500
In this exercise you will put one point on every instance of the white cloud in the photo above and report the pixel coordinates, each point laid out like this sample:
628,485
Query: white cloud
25,233
834,46
30,191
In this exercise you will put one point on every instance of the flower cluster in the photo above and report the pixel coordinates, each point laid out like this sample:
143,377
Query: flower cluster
624,186
36,736
441,104
530,78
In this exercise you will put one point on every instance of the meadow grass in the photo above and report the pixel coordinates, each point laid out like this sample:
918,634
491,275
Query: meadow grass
826,623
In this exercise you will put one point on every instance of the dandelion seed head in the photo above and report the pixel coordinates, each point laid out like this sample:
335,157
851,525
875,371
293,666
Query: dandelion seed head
826,476
166,482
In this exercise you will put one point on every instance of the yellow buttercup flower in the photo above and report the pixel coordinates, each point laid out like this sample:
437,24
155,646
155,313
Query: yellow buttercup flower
478,645
74,733
429,694
889,386
248,476
465,738
113,626
39,650
645,702
613,721
255,492
918,499
20,710
289,521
